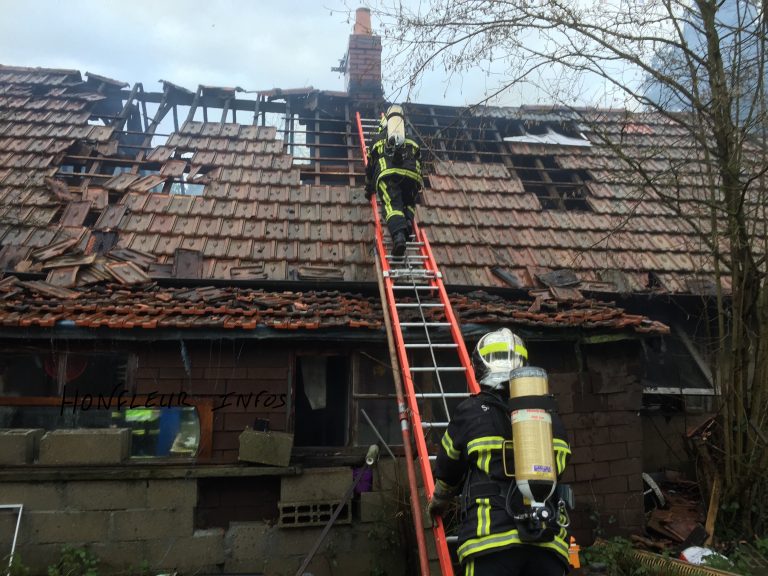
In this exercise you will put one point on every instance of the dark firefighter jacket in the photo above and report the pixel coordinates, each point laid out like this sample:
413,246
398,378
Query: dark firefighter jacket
381,164
473,446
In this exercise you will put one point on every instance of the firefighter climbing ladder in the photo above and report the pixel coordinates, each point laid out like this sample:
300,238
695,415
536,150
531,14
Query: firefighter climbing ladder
434,366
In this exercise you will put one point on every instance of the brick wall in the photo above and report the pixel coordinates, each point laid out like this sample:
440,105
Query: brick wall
599,397
245,382
364,66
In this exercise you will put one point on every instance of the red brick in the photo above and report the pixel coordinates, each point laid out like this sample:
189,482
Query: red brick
226,440
239,422
635,449
202,386
610,485
564,403
627,466
569,475
143,372
581,455
613,418
615,451
635,482
268,373
225,373
574,421
592,436
627,432
225,456
172,372
591,471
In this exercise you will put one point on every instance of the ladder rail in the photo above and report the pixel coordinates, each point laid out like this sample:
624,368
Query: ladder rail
398,376
417,426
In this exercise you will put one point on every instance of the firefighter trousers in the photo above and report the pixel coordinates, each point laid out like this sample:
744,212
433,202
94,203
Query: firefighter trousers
398,196
522,560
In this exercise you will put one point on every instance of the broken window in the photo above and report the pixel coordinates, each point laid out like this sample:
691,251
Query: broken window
321,401
64,390
556,188
676,376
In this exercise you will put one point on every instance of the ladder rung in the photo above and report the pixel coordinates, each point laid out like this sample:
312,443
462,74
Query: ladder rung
428,395
420,305
437,369
412,287
412,272
451,539
424,324
427,345
434,424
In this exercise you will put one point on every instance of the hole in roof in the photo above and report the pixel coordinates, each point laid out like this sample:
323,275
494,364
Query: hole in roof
556,188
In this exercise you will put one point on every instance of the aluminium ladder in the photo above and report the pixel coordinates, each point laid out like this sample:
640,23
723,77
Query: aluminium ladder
434,365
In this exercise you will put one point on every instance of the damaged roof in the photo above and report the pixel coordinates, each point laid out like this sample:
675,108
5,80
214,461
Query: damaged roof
90,192
29,304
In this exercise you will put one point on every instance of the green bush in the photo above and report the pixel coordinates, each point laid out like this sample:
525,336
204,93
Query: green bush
17,567
615,556
75,562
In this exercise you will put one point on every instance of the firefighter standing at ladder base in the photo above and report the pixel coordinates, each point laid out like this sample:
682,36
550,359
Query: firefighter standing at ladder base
394,171
502,531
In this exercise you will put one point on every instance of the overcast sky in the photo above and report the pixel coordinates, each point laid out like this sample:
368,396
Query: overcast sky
254,44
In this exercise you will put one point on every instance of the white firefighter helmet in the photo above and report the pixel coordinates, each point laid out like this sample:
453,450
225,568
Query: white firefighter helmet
496,355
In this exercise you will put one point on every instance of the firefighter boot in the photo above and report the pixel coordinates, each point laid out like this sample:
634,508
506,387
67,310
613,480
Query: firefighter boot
398,244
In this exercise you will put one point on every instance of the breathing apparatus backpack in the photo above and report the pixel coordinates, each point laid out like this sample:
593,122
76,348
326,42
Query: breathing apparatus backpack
394,126
544,510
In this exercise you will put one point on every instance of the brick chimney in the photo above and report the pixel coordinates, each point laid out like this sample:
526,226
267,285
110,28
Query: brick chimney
363,72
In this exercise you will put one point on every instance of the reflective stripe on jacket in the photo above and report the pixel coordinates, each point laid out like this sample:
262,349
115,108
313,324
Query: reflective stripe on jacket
381,165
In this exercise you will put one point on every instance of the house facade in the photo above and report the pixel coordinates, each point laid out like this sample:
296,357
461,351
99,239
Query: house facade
182,266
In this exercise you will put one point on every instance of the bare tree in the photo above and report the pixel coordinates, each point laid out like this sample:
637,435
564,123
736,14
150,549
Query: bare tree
700,67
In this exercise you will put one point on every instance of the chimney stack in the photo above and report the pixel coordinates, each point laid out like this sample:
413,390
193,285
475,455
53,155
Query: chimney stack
364,59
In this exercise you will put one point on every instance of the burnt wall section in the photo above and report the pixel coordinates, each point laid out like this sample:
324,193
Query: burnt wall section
599,398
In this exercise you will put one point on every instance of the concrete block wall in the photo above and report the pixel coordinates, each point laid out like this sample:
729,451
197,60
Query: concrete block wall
374,543
245,382
95,446
123,522
19,446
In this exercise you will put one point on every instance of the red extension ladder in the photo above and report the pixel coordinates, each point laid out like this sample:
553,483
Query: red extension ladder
433,362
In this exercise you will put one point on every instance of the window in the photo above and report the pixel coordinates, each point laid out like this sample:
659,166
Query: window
675,375
321,401
93,390
556,188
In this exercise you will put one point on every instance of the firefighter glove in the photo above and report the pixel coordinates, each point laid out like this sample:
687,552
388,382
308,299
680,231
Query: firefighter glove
438,505
368,190
442,498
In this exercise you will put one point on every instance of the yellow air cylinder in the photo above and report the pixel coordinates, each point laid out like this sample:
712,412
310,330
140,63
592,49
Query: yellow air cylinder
535,472
395,125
